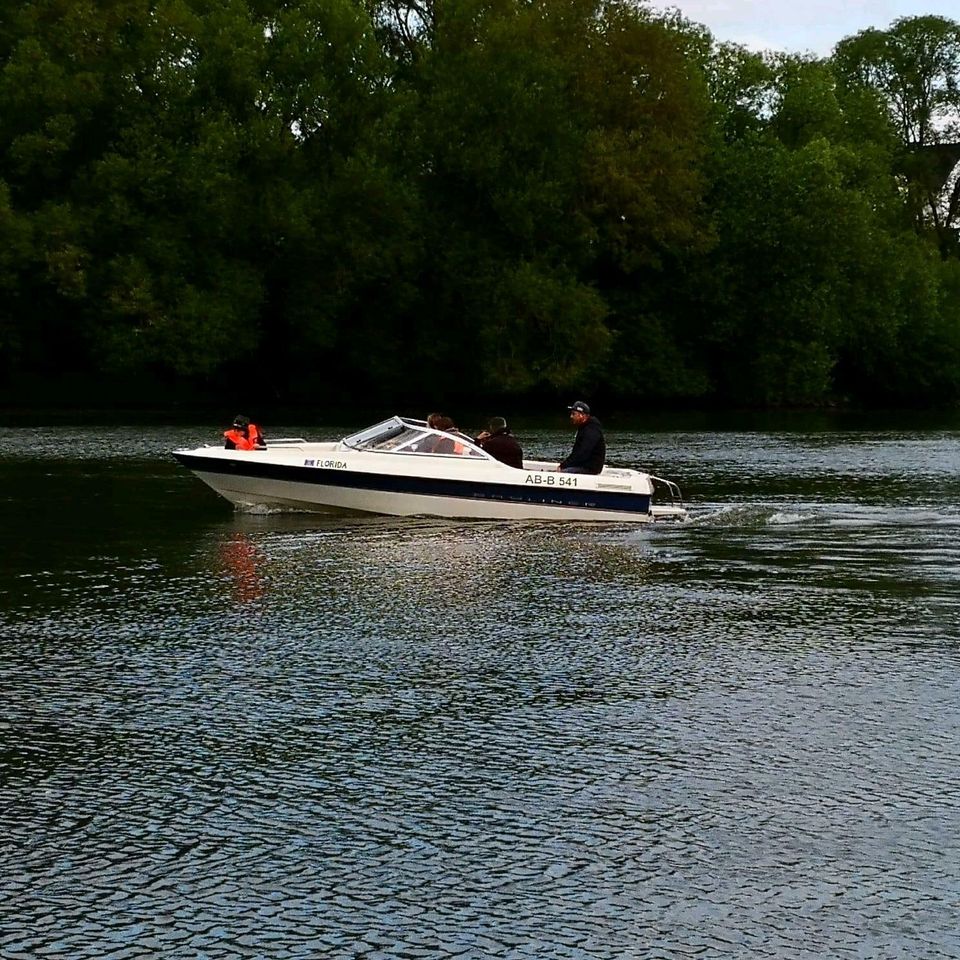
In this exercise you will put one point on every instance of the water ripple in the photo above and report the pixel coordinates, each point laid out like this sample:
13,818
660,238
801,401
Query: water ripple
236,736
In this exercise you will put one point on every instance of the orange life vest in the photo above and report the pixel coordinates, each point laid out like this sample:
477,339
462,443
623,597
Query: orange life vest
248,439
256,436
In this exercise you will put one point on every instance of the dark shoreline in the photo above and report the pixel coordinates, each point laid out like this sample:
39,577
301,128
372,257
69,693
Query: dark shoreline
615,418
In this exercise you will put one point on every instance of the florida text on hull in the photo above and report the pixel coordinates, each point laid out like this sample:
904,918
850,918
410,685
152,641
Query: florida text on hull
401,467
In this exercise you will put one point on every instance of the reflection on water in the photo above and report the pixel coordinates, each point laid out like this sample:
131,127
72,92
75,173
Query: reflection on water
240,558
277,736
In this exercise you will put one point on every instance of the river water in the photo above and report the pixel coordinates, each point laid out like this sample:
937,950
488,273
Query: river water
228,735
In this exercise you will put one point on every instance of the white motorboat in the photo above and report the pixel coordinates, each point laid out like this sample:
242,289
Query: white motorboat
402,467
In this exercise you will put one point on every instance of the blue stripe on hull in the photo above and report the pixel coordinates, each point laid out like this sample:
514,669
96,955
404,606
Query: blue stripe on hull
425,486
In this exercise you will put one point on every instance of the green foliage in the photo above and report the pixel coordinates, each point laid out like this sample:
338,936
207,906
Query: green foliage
447,197
807,104
778,258
806,280
915,66
15,251
545,327
905,350
741,87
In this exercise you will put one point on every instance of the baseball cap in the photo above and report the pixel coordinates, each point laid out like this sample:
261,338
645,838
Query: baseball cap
580,407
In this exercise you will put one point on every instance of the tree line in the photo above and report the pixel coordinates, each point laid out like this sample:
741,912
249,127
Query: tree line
384,198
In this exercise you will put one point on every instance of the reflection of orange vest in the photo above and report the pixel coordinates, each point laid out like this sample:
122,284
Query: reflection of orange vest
240,557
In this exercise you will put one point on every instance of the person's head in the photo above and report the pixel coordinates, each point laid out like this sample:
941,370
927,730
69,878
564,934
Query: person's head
433,419
497,424
579,412
240,422
443,423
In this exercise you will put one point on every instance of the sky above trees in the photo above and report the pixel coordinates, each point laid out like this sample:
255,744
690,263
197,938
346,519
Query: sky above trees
814,26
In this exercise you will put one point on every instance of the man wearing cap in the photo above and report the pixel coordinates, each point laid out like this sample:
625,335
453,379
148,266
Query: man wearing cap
500,443
589,447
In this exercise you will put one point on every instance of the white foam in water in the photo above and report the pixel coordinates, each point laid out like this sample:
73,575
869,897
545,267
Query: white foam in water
735,515
780,517
264,510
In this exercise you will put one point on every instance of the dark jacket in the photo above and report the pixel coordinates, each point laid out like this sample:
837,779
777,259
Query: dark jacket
589,448
503,446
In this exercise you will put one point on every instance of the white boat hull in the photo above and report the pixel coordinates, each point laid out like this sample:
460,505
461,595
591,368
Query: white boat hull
248,492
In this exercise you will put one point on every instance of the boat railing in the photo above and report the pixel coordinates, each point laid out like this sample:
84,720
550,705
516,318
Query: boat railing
674,490
284,441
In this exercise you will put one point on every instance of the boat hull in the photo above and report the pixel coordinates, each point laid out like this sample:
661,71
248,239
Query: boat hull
249,480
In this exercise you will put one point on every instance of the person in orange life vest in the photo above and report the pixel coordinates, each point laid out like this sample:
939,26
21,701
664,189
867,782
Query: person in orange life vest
244,435
444,444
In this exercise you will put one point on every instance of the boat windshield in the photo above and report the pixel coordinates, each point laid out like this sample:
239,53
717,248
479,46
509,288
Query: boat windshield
397,435
378,433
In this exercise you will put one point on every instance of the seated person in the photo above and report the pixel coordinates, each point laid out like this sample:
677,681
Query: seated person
589,447
500,443
438,421
244,435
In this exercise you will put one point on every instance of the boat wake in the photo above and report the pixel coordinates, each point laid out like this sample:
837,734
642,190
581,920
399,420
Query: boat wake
753,515
266,509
